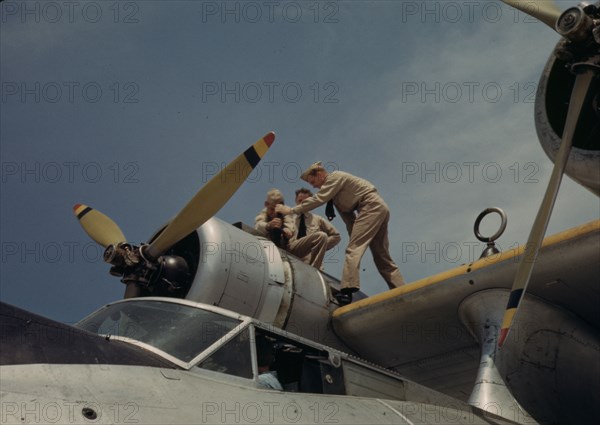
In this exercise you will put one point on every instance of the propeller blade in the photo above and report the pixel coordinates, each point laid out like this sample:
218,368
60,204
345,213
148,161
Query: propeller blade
534,242
543,10
211,197
98,226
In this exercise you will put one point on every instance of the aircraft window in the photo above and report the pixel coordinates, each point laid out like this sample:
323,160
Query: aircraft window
179,330
233,358
265,358
298,367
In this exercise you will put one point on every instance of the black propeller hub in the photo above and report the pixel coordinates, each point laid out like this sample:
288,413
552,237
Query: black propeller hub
168,274
172,274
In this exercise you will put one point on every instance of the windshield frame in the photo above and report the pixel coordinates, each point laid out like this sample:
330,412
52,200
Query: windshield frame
199,357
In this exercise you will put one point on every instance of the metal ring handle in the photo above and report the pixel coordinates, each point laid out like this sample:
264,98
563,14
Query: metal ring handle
495,235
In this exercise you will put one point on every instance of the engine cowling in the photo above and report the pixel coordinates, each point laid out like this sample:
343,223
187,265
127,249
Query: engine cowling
551,106
248,274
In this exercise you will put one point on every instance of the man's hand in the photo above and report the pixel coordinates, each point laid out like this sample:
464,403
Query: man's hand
283,209
275,223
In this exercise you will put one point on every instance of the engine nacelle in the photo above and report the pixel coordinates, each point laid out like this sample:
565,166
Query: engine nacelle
552,101
248,274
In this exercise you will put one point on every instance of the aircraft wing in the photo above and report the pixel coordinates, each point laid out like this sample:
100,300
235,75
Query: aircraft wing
435,330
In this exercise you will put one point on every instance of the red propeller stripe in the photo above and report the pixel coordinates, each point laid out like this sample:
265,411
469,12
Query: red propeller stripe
81,210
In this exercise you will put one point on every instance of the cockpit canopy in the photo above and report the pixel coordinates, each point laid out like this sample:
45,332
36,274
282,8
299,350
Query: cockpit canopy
207,339
180,331
193,335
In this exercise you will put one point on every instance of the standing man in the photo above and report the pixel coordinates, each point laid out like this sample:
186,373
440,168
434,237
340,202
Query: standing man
308,223
366,216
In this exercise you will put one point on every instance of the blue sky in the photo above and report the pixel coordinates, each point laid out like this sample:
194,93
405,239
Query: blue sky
129,106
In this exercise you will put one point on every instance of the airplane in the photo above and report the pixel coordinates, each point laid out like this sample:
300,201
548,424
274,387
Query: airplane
161,356
443,331
167,360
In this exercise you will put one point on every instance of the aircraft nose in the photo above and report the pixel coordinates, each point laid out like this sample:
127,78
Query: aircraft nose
26,338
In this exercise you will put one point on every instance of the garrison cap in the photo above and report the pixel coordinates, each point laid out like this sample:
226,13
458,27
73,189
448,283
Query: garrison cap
274,197
313,168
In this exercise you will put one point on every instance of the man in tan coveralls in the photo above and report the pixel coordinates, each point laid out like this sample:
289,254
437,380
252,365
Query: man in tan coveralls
366,216
272,225
268,222
308,223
